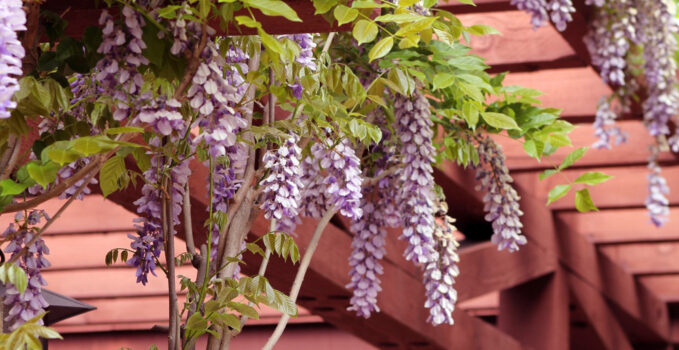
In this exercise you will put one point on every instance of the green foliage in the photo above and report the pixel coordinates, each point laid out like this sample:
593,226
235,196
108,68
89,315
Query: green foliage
12,273
28,335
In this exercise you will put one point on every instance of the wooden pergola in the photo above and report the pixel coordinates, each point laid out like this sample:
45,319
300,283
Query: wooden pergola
604,280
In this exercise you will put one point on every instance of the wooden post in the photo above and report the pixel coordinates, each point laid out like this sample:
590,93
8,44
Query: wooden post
536,313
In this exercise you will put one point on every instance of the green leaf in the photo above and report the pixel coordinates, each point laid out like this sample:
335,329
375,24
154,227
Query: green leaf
323,6
15,275
86,146
530,148
196,322
399,18
344,14
573,157
583,202
60,152
547,173
10,188
443,80
270,42
44,174
143,160
244,309
470,113
111,174
592,178
365,31
499,120
124,130
248,22
381,48
274,8
482,29
230,320
558,192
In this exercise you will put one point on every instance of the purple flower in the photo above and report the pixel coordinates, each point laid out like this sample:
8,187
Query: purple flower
117,71
604,126
367,250
501,200
314,199
416,176
163,116
23,307
12,20
536,8
657,203
306,44
283,184
343,182
560,13
608,46
150,241
440,274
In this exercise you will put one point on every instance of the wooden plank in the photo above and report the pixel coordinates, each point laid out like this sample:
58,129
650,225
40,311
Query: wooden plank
575,90
666,287
519,47
480,6
626,154
500,270
536,313
620,226
603,274
627,189
599,315
645,258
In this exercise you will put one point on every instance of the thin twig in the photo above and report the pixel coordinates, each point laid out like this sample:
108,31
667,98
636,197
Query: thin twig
10,157
37,236
188,224
299,277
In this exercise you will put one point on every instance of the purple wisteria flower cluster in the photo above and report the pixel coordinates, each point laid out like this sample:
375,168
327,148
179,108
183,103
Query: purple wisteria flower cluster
656,201
439,275
12,20
343,180
305,58
559,11
604,126
23,307
117,71
416,176
148,243
657,30
163,116
367,251
501,200
607,44
283,184
314,199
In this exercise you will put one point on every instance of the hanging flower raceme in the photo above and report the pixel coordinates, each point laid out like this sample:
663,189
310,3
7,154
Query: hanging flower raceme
604,126
536,8
306,44
163,116
439,275
560,11
149,242
501,200
117,71
282,186
367,251
656,201
23,307
608,46
314,199
343,180
414,128
12,20
657,29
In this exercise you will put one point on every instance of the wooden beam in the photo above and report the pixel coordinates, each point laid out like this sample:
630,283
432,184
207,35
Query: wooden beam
536,313
645,258
627,189
479,6
600,316
575,90
611,280
519,48
620,226
626,154
666,287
